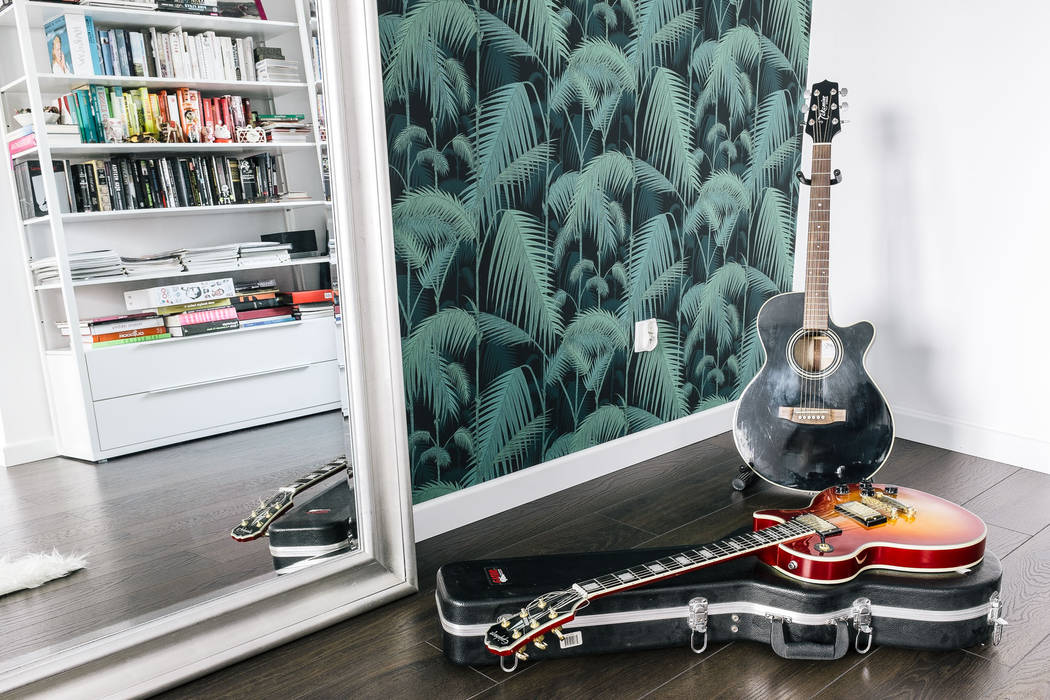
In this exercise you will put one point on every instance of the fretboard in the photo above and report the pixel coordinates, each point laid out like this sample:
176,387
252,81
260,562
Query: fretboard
317,475
816,308
691,559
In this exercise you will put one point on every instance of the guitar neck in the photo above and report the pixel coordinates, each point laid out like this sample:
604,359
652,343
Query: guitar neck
692,559
313,477
815,315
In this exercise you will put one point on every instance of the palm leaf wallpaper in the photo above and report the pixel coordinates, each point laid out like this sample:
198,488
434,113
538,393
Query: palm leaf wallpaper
561,170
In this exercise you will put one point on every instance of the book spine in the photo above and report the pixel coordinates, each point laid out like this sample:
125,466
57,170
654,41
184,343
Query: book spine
107,53
205,328
96,50
79,45
138,54
149,120
128,334
102,185
223,313
22,143
127,341
106,327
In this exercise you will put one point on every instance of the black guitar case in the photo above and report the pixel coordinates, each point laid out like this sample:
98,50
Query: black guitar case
738,600
316,528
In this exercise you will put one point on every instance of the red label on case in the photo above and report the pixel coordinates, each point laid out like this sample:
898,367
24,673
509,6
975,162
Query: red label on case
495,576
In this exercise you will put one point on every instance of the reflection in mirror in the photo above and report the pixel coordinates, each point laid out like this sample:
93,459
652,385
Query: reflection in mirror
199,397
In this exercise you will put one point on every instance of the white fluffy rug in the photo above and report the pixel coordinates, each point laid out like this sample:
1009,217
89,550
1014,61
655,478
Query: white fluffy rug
33,570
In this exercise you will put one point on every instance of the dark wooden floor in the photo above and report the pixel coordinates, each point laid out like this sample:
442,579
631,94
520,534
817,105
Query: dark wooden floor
155,526
680,498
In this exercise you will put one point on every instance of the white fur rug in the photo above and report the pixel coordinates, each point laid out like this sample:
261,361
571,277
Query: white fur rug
32,570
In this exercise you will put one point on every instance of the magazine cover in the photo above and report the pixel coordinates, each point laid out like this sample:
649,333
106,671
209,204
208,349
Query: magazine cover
58,46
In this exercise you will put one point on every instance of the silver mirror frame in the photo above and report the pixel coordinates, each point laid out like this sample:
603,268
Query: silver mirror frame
175,647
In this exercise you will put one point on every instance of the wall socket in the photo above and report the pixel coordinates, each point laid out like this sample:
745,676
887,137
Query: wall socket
645,335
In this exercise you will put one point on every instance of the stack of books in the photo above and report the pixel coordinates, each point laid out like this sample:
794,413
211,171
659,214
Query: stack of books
257,304
276,70
264,253
285,128
157,264
82,266
29,185
76,47
115,114
24,139
120,184
219,257
201,322
310,304
119,330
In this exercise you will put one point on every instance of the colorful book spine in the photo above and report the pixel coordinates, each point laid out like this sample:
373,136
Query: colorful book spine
170,295
128,335
204,328
180,308
223,313
93,46
128,341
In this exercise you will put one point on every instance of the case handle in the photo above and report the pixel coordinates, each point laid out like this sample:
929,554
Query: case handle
809,650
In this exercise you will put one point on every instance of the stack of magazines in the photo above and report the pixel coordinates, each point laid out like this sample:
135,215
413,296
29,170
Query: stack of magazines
264,253
82,266
157,264
219,257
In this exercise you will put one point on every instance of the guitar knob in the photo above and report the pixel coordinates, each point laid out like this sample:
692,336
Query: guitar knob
889,490
842,489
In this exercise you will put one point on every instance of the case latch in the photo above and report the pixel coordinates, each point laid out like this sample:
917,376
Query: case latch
861,615
698,623
995,610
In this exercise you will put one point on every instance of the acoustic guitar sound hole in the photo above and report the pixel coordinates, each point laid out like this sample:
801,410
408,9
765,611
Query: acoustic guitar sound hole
814,353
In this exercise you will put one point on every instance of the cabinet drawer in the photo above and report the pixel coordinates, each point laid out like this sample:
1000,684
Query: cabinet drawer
142,367
129,420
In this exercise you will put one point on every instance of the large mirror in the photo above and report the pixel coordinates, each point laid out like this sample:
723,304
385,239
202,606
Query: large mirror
196,228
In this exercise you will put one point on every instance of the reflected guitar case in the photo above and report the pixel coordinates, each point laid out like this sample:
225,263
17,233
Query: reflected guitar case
316,528
741,599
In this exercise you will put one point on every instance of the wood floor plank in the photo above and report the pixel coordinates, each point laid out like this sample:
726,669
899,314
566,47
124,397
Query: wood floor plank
951,475
1026,595
896,673
607,676
597,531
1018,502
1002,541
752,670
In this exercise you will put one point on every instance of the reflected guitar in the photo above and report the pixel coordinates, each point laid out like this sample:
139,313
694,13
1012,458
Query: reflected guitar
260,519
845,530
812,417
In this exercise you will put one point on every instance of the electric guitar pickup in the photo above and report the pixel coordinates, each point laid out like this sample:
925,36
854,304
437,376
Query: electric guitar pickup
844,530
257,523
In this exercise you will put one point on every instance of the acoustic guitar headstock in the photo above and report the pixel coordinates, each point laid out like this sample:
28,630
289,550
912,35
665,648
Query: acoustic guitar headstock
824,113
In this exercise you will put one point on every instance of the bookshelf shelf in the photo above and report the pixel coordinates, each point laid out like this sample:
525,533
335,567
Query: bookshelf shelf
144,149
320,260
128,214
18,84
41,12
51,84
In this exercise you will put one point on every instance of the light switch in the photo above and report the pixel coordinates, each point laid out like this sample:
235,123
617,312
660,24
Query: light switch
645,335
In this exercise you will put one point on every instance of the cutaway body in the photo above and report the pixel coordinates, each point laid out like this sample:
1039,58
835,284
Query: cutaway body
940,536
812,417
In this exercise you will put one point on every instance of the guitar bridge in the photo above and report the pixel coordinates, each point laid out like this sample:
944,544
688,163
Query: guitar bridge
812,416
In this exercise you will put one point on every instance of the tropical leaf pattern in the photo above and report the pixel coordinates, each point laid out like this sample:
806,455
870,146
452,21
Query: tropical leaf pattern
560,170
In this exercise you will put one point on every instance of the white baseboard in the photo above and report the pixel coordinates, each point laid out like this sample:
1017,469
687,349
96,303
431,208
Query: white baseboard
14,453
1018,450
472,504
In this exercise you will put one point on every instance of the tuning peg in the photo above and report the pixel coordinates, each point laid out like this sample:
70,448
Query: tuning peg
541,604
539,643
843,91
515,634
520,653
844,106
558,633
524,614
505,623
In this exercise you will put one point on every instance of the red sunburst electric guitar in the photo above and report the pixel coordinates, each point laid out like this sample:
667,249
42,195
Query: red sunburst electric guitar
845,530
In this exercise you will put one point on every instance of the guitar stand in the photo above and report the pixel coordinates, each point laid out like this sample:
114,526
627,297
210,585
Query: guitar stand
744,478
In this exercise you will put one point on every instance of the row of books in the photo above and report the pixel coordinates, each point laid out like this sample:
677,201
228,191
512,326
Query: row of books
115,114
76,47
226,8
100,264
251,304
122,184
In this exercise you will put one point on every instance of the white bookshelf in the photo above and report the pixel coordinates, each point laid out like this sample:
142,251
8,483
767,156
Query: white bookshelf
245,377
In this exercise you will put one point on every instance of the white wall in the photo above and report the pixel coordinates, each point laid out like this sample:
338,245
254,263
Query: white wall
25,422
941,230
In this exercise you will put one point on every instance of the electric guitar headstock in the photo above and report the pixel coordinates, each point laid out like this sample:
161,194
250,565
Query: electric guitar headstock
823,116
545,614
258,522
260,519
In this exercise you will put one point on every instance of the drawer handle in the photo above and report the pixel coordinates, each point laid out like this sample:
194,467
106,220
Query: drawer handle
166,389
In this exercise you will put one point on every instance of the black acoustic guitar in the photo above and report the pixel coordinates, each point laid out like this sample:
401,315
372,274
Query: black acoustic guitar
812,417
